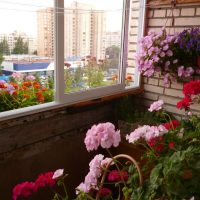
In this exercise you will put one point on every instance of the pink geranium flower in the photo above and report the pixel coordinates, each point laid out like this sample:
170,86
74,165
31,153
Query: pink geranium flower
157,105
104,135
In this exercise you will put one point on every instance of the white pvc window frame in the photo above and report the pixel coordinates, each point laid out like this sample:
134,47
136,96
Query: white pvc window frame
62,99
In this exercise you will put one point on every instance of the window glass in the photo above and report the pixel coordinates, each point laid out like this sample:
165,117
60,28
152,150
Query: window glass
26,53
92,46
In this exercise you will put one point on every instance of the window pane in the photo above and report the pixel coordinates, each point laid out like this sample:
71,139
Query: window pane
136,7
26,53
92,44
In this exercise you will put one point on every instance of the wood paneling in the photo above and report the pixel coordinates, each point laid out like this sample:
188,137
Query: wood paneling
168,2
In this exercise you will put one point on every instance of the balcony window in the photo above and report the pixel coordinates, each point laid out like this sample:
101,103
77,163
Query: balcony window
76,72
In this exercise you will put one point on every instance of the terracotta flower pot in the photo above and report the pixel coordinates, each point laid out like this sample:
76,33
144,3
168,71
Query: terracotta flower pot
187,174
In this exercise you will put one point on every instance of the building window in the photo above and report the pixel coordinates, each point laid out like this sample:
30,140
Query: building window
84,76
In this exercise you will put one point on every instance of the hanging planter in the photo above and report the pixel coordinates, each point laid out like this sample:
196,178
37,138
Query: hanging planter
174,56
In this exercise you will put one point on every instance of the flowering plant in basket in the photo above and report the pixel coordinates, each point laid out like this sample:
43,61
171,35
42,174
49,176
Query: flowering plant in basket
174,56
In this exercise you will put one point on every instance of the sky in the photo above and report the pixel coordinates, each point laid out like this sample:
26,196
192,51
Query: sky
21,15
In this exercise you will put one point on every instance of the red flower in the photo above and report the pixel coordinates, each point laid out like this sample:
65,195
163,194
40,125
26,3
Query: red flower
160,148
24,189
192,88
114,175
104,192
171,145
172,125
152,142
45,180
185,103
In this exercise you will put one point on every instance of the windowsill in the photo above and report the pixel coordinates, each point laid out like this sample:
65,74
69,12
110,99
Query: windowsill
8,118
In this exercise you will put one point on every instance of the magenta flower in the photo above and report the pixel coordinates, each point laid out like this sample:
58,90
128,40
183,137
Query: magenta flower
24,189
115,176
45,179
155,106
103,135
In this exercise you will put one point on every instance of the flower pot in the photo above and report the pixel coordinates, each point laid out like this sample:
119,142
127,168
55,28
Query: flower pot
198,61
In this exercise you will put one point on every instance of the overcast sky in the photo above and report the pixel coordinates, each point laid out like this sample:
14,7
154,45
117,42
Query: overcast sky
21,14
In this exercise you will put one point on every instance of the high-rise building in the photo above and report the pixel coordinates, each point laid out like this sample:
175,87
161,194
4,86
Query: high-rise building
85,30
12,38
45,32
113,39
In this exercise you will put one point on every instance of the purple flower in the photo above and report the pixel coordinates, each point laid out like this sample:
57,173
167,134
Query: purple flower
10,88
169,53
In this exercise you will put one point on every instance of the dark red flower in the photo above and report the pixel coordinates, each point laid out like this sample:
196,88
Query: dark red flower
171,145
160,148
115,175
172,125
104,192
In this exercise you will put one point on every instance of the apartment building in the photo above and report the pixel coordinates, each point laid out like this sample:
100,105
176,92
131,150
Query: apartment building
45,32
113,39
12,38
85,30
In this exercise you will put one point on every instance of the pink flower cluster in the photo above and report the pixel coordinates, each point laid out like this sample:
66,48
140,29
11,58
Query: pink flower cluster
155,106
154,49
156,55
91,180
26,189
146,132
103,135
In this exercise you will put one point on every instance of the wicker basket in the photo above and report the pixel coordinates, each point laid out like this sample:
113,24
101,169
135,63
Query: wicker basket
128,158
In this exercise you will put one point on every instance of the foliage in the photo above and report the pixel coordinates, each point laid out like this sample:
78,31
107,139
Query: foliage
164,53
4,47
113,55
21,47
22,91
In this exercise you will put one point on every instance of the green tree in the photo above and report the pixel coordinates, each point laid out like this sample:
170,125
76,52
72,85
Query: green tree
4,47
1,60
21,47
113,52
112,56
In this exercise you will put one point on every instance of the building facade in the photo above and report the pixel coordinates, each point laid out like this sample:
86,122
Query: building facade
45,32
12,38
85,30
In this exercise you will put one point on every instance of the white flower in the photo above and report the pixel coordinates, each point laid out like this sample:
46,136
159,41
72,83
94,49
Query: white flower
58,173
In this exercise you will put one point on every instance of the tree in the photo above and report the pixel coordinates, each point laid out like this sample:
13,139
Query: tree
112,56
113,52
21,47
4,47
1,60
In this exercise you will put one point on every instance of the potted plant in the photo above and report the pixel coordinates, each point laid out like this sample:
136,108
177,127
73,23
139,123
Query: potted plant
174,56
